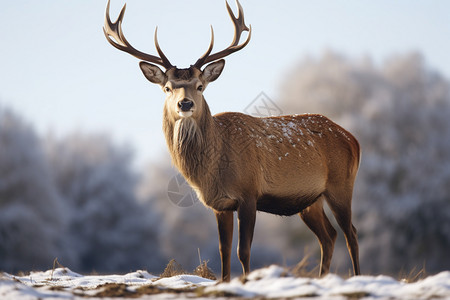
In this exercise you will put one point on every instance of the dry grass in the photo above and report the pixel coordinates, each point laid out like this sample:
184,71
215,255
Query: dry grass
414,275
172,269
303,269
56,264
122,290
204,271
116,290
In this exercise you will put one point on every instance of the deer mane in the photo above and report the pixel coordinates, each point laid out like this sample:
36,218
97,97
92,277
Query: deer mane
187,136
188,139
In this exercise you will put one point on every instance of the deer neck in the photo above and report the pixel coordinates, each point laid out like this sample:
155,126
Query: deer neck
188,140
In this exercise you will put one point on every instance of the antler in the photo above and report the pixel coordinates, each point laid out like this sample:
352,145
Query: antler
114,30
239,27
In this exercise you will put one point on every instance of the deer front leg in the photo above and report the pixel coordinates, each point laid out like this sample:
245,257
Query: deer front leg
246,223
225,227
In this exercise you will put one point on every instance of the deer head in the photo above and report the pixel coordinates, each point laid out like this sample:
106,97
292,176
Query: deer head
183,87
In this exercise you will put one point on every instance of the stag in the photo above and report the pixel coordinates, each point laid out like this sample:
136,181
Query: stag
235,162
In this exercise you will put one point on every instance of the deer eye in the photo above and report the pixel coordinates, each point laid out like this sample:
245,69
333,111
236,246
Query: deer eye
200,88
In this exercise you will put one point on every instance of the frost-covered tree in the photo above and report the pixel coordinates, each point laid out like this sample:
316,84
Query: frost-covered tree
32,220
400,112
109,229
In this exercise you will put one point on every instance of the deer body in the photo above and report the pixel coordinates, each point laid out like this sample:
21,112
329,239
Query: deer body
235,162
294,166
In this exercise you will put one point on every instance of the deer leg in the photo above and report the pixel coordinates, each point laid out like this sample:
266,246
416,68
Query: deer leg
246,224
341,207
225,227
316,219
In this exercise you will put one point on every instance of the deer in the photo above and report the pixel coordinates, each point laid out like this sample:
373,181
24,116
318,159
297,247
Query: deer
283,165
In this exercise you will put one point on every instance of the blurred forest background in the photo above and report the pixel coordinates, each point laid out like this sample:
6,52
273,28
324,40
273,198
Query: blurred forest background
79,199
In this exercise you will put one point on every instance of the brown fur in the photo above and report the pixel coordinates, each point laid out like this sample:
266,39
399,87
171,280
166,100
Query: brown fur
287,158
283,165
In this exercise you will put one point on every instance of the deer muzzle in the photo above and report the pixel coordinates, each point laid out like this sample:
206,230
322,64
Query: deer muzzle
185,105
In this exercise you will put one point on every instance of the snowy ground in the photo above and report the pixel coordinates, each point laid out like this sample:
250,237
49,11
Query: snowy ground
271,282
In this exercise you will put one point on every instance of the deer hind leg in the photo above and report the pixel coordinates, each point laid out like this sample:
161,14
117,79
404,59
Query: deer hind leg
340,203
316,219
246,223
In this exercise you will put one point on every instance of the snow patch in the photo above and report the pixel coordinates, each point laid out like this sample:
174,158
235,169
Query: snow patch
272,282
183,282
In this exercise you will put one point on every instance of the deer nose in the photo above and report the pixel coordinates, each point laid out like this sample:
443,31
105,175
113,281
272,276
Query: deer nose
185,105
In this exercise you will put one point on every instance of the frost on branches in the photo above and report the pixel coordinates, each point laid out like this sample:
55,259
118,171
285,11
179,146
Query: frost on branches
399,111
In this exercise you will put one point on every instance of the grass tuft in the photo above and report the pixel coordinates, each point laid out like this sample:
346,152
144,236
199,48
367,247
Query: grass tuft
302,269
172,269
56,264
414,275
204,271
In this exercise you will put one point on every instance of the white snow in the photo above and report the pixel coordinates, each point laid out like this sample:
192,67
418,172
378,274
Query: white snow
271,282
183,282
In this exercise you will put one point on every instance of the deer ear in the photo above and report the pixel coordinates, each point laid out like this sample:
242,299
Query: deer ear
153,73
212,71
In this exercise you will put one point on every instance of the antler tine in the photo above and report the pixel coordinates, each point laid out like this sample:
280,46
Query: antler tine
114,30
201,61
239,24
166,62
239,27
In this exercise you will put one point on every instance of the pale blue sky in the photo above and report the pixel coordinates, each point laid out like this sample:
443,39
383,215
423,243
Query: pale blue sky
58,71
